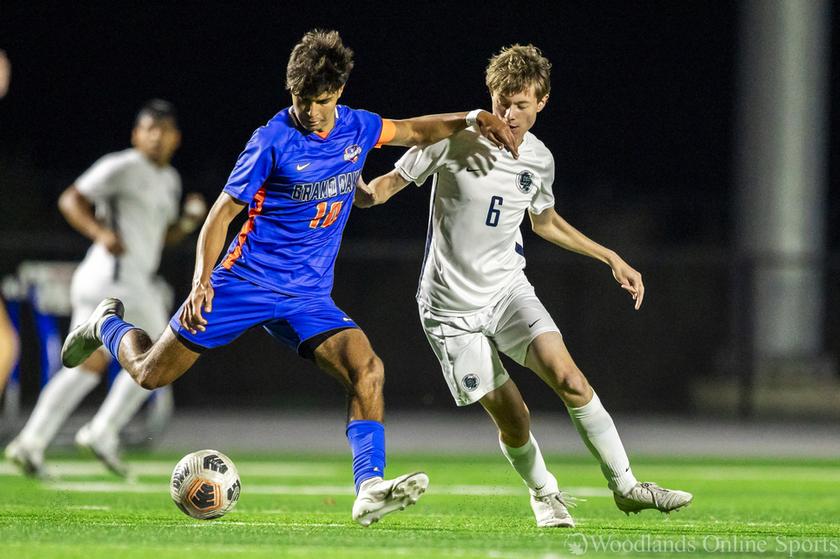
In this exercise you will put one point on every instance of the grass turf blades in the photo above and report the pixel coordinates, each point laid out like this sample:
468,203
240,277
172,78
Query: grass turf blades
293,506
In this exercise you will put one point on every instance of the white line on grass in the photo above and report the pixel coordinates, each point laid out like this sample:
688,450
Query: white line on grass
71,468
477,490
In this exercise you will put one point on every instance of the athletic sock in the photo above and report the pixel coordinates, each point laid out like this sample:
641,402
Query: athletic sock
598,431
528,462
123,401
111,332
367,442
62,394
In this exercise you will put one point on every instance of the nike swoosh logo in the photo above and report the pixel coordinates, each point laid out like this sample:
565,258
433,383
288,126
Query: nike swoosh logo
300,167
473,170
537,320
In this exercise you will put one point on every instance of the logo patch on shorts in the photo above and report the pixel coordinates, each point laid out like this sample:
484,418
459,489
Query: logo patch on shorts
525,181
470,382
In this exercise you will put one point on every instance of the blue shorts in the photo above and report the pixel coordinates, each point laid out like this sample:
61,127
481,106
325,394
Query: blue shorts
302,323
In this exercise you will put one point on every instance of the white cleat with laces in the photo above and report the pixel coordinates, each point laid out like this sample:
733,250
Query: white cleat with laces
378,497
648,495
551,510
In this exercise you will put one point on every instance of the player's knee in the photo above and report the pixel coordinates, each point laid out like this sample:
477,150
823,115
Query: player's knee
370,375
568,379
150,377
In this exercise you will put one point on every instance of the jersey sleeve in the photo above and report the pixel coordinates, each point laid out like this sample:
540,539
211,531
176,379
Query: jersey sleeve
418,163
544,196
253,167
102,179
389,130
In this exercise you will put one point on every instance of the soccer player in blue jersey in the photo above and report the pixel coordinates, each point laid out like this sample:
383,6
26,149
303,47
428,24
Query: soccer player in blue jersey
297,175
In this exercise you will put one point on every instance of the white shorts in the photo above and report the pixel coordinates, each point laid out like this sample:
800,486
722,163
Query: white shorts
146,303
467,346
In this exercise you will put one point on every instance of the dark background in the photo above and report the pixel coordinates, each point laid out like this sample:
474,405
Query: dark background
640,122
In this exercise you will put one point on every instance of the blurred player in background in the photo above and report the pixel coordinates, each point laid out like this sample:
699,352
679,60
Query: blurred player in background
475,300
127,203
8,336
297,176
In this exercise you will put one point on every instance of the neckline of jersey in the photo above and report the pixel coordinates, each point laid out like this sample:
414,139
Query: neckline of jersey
314,135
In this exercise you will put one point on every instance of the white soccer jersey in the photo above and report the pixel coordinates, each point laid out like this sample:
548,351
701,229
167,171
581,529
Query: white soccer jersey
479,197
139,200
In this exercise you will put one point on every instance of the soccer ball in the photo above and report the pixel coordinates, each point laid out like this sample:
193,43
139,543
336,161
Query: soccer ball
205,484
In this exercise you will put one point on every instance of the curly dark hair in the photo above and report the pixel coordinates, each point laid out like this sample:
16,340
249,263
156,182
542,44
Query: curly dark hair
320,63
518,67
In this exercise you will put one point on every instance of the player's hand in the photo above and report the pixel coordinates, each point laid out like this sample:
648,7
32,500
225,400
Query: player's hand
630,280
200,300
111,241
193,213
498,132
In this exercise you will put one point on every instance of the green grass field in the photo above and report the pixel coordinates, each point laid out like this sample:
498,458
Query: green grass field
297,506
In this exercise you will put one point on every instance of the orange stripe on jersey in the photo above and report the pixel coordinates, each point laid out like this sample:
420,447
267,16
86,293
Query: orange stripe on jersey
247,227
389,130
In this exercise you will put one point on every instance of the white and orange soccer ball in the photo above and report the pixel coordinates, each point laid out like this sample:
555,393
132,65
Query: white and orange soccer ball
205,484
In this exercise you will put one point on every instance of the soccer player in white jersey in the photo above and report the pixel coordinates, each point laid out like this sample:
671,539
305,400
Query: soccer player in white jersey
475,300
127,203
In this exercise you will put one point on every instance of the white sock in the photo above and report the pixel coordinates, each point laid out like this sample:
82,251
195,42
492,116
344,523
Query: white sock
58,399
124,399
528,462
598,431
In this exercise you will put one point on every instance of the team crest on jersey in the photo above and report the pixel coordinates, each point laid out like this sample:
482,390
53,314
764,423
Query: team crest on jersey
525,181
352,153
470,382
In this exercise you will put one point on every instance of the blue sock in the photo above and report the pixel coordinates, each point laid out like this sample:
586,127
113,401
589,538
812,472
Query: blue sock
111,333
367,441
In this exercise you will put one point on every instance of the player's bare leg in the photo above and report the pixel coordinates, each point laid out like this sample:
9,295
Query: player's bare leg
508,410
59,398
550,359
349,357
155,364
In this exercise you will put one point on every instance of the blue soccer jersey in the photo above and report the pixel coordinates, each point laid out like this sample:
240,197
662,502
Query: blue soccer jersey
299,187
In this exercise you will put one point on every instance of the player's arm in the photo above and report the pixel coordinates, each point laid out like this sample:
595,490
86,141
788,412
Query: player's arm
193,211
79,213
211,240
379,190
426,130
553,228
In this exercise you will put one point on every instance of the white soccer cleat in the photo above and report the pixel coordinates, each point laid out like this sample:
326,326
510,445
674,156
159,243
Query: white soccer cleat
105,447
648,495
551,512
84,338
378,497
30,461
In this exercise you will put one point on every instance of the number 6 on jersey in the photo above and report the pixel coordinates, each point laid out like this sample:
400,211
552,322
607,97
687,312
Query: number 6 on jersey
493,213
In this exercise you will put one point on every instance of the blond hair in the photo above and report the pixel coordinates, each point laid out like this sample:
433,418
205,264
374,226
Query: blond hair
517,68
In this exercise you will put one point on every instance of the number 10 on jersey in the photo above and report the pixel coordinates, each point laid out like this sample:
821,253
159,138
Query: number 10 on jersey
335,209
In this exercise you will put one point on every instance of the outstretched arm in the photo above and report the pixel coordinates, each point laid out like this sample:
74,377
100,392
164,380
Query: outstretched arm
553,228
379,190
210,243
426,130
